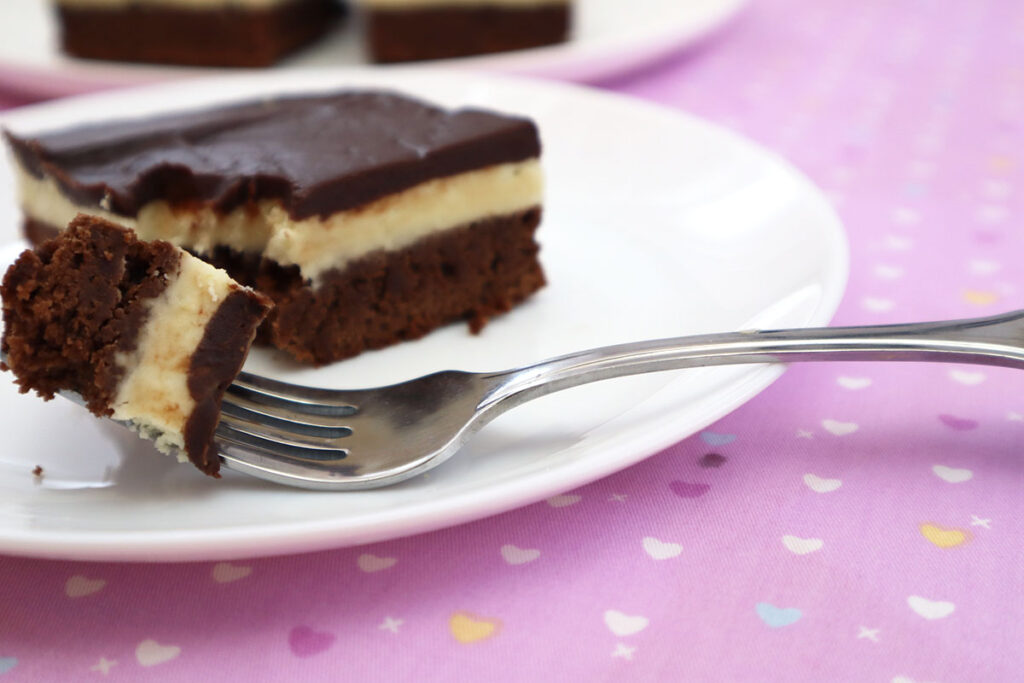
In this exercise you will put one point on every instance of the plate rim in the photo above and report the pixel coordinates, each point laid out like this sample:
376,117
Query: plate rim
226,543
574,61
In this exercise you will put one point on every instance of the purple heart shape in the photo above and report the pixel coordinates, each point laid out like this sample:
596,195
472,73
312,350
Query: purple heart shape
712,460
305,642
960,424
685,489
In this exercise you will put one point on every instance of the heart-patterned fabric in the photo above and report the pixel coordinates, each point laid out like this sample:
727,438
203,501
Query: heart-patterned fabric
855,522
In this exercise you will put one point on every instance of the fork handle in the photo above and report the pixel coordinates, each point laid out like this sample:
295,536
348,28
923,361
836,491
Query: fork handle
995,340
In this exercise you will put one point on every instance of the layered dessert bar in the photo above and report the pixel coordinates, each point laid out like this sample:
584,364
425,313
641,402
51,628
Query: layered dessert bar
230,33
409,30
368,217
144,332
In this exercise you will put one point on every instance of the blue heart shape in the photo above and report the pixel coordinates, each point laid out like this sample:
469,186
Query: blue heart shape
7,663
716,439
777,617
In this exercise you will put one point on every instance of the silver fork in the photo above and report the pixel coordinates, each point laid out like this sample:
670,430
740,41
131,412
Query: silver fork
344,440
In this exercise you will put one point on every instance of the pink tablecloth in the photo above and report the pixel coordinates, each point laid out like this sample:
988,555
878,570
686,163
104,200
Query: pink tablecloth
853,523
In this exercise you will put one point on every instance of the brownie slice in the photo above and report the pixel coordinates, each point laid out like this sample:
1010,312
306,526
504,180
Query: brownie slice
142,331
413,31
368,217
225,34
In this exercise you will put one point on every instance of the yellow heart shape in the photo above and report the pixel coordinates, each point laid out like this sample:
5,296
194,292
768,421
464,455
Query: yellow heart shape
945,538
469,628
1000,163
980,298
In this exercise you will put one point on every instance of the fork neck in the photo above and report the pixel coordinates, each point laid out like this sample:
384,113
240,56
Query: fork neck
995,340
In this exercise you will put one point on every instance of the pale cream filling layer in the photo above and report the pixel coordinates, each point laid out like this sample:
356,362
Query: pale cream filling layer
183,4
153,394
315,244
467,4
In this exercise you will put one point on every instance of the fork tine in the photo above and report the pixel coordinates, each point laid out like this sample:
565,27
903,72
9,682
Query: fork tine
239,434
271,426
310,400
289,404
237,403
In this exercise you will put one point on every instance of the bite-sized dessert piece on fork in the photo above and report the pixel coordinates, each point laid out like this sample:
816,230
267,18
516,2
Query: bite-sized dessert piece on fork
144,332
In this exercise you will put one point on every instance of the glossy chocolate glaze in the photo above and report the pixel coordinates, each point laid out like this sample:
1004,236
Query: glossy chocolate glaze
316,154
214,365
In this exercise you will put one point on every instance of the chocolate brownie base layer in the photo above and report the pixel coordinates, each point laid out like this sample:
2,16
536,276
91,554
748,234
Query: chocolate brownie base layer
227,37
442,33
470,273
75,303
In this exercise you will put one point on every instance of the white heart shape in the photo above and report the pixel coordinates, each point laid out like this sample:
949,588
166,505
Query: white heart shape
930,609
877,304
372,563
952,474
888,272
992,213
904,216
966,377
564,500
820,485
839,428
661,550
983,267
854,383
622,624
921,169
929,141
898,242
802,546
79,586
225,572
514,555
150,653
997,189
841,174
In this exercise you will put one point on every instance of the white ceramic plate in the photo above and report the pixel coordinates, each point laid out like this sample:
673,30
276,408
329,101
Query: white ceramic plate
609,37
656,224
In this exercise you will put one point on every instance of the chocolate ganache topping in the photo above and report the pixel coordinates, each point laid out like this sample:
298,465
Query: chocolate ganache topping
316,154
